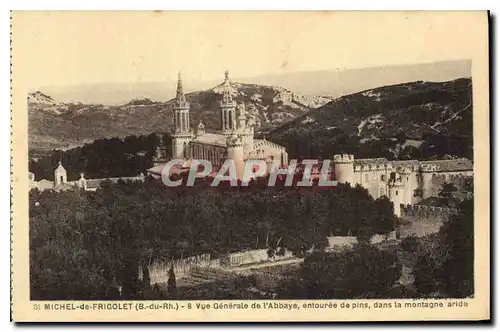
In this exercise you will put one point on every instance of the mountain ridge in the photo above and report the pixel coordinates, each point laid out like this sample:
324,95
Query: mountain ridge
408,120
56,125
331,83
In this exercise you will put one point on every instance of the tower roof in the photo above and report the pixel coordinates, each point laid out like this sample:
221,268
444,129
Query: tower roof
180,97
227,90
60,168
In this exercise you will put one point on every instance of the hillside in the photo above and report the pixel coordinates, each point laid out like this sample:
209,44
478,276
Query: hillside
62,125
412,120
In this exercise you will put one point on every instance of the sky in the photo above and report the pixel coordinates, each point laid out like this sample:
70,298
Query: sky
75,48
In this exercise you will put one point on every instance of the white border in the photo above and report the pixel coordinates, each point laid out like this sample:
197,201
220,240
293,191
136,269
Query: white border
185,4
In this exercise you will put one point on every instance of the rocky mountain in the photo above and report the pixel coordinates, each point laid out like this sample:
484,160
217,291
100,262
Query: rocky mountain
40,98
411,120
55,124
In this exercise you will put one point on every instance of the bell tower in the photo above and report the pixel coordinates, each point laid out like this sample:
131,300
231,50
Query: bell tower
182,131
227,107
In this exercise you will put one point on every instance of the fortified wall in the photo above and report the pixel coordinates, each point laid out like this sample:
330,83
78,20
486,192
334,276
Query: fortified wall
422,220
183,268
158,270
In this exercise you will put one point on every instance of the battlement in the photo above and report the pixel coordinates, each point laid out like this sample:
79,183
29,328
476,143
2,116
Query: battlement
343,159
396,183
183,135
429,168
404,170
374,167
234,141
426,211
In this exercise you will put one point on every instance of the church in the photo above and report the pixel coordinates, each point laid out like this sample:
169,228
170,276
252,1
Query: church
234,140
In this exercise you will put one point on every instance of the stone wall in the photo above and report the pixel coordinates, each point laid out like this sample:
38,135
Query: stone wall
158,270
251,257
422,220
341,242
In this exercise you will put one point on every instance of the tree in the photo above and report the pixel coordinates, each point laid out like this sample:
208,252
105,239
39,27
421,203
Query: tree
124,225
458,235
448,268
171,283
447,194
425,272
409,243
363,272
447,190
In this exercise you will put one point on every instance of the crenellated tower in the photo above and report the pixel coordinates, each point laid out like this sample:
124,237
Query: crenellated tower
245,129
407,192
396,187
182,131
344,168
427,171
234,144
227,107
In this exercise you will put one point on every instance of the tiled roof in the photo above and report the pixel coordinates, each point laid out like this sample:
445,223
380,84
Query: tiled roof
448,165
451,165
369,161
211,138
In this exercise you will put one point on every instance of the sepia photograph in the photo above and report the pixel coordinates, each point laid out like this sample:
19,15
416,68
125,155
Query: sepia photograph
174,157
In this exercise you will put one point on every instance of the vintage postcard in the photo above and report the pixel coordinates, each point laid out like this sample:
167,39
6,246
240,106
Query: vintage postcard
250,166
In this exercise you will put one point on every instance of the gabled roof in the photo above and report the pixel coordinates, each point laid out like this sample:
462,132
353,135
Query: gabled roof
369,161
44,184
60,168
156,169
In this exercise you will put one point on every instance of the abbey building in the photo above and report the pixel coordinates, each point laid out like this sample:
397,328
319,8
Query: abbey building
404,182
234,140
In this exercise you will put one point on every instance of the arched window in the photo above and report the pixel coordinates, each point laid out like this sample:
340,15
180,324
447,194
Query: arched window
397,193
382,177
184,150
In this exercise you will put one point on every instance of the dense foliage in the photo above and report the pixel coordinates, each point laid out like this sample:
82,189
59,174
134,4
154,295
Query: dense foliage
447,268
81,243
362,272
102,158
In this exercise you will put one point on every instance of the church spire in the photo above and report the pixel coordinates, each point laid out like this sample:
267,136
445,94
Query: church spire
181,109
228,106
180,97
226,91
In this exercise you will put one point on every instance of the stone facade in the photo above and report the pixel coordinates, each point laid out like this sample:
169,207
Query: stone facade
234,140
402,181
